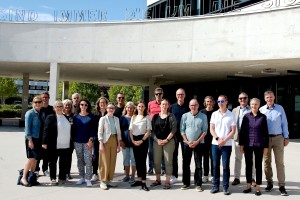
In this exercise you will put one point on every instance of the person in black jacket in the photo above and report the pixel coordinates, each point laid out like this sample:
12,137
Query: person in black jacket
56,139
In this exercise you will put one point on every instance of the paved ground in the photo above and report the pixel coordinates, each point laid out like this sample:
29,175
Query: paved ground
12,157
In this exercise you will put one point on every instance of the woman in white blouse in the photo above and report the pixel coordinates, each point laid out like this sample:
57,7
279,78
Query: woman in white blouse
140,127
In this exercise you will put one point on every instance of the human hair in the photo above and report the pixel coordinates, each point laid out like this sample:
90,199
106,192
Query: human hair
224,96
98,101
255,99
37,97
244,93
75,94
145,113
158,89
129,103
46,93
211,98
89,107
165,99
57,102
67,101
111,103
180,89
268,92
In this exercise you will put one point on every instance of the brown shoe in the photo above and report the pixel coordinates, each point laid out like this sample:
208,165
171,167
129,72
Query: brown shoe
236,181
155,183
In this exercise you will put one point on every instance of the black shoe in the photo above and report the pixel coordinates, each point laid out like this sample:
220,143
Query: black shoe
144,187
163,172
247,190
236,181
258,193
282,191
150,171
269,187
136,183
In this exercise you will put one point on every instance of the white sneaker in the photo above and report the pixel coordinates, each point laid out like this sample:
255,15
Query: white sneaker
212,179
173,180
88,183
103,185
46,173
94,178
81,181
205,179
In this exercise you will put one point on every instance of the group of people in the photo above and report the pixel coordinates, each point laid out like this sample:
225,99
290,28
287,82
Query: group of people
156,131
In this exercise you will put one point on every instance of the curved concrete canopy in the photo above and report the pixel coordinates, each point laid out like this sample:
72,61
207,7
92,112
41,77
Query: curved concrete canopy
167,51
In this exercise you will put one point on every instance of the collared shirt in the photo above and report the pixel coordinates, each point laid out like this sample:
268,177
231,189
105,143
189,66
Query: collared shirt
140,125
242,112
193,126
254,131
153,108
276,119
223,124
178,111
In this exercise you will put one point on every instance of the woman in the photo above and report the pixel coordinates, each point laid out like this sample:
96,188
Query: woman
84,132
126,144
254,138
33,127
56,139
164,126
208,103
109,135
67,111
101,105
140,127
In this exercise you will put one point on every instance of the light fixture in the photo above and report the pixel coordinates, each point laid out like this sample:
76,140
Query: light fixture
243,75
270,71
256,65
157,75
118,69
47,72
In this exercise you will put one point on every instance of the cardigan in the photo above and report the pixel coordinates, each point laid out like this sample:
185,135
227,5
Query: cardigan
104,130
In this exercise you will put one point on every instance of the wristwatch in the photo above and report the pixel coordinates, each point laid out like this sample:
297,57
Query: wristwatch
217,138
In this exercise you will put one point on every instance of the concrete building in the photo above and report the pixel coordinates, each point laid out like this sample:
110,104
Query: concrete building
252,49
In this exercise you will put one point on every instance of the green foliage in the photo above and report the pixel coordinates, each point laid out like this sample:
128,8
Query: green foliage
7,88
86,90
132,93
10,111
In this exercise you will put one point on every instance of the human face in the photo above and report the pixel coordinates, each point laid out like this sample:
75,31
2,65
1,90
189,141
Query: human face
130,110
75,99
45,99
102,104
67,108
110,109
120,98
164,105
140,108
180,95
83,105
209,103
254,106
222,102
37,103
158,95
243,99
194,106
270,98
59,109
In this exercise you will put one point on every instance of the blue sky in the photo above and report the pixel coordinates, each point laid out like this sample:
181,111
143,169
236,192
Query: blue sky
116,9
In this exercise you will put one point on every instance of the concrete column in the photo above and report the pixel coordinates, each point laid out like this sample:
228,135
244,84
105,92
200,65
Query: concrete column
65,90
25,96
54,81
153,83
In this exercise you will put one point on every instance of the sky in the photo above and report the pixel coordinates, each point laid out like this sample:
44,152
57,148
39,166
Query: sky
51,10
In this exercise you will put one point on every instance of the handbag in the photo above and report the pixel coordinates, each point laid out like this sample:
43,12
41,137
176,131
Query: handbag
31,178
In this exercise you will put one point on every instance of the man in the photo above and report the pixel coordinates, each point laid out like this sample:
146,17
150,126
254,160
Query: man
46,110
178,109
278,139
120,106
154,108
239,113
193,127
75,101
222,128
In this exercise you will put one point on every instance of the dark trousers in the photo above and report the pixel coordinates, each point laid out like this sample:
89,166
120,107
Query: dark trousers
258,152
45,158
140,156
187,156
69,157
53,156
225,153
175,158
207,160
95,156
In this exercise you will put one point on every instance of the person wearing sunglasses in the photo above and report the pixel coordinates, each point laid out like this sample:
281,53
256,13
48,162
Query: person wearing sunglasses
239,113
83,136
109,135
222,129
120,105
33,127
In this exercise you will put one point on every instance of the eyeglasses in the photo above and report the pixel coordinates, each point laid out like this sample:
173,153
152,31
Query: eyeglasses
241,98
59,106
111,108
121,97
180,94
37,102
156,94
84,104
221,101
194,105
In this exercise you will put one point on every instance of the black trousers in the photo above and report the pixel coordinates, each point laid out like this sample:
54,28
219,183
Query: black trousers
140,156
258,154
53,157
69,157
207,160
175,158
95,159
45,158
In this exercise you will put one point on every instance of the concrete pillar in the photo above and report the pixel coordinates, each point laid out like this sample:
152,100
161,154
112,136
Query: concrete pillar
54,81
153,83
25,96
65,90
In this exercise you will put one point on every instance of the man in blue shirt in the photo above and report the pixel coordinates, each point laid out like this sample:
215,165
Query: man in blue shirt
278,139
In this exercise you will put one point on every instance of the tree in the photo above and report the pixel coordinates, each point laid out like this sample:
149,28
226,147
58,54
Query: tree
8,88
132,93
86,90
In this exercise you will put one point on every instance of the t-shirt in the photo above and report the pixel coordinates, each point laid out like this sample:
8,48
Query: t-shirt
63,132
140,125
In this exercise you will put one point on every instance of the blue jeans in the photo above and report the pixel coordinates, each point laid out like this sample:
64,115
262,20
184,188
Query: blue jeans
217,153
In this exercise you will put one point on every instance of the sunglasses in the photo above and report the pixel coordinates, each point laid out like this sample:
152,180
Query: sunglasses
84,104
241,98
121,97
221,101
37,102
158,94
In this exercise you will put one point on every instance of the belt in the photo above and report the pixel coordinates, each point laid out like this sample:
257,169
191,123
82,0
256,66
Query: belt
275,135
